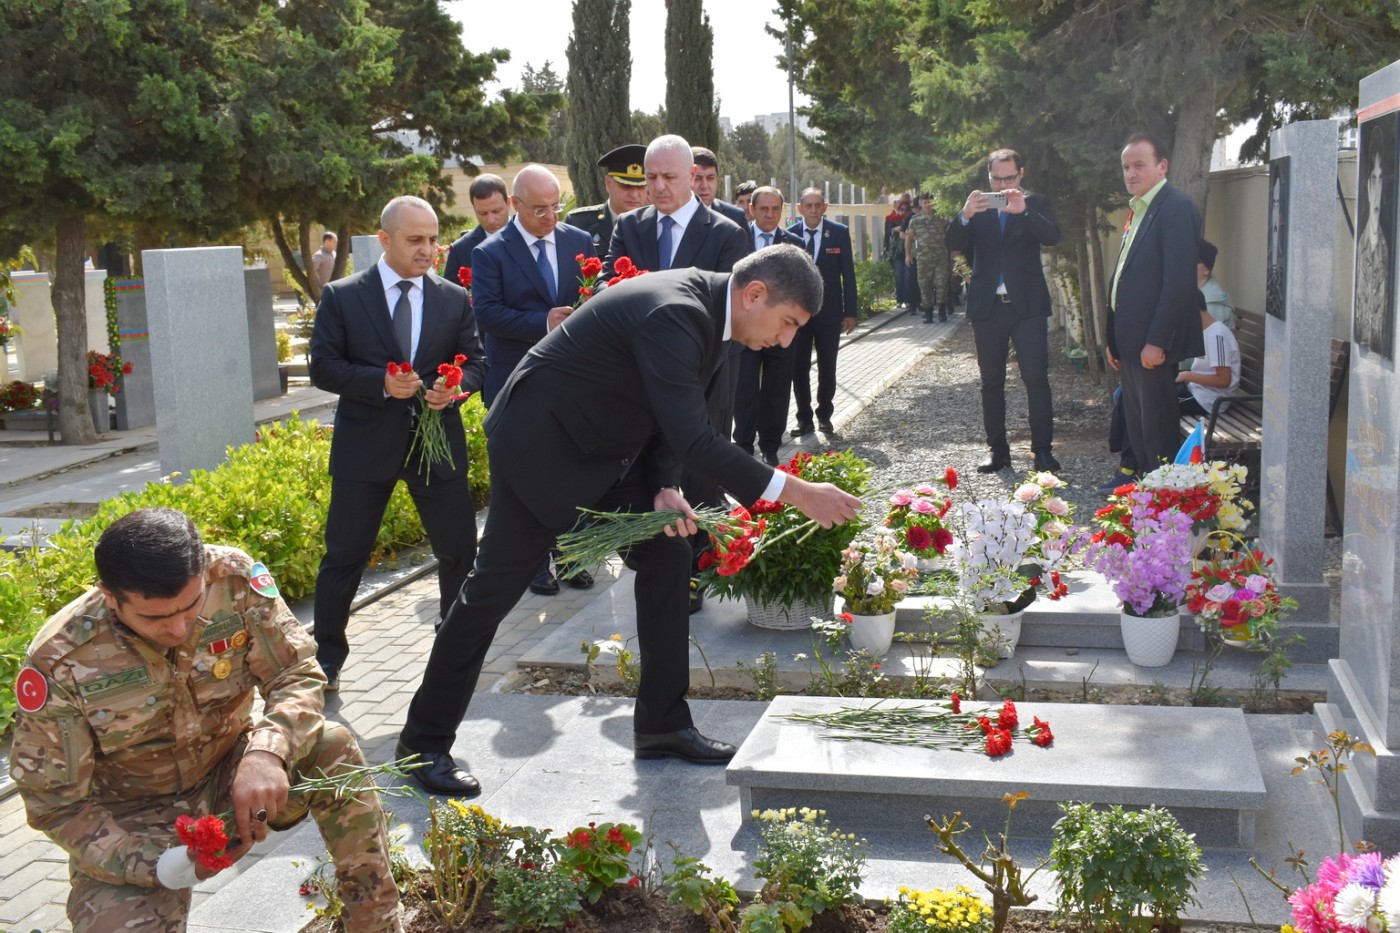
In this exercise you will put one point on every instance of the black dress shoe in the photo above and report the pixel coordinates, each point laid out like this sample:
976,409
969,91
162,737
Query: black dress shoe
697,596
1045,462
544,584
440,774
998,462
803,427
770,458
687,745
581,579
332,682
825,425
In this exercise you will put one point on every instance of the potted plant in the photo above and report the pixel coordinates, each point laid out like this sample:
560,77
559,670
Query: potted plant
105,371
918,514
1114,865
990,553
788,581
875,575
17,396
1145,555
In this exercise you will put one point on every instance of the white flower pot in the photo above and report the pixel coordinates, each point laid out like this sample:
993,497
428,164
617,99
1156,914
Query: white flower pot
1150,642
931,564
1009,624
872,633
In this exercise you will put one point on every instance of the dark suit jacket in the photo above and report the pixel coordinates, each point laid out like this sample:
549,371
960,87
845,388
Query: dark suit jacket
1012,254
711,242
510,298
780,235
837,264
1157,285
733,211
459,254
619,388
352,344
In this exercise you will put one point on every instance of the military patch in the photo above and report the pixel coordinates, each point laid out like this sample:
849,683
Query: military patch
31,690
225,624
115,683
261,581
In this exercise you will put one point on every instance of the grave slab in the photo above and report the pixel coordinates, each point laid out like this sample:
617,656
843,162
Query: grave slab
1198,763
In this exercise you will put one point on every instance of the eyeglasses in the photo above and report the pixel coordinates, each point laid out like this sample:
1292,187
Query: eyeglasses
1004,179
542,212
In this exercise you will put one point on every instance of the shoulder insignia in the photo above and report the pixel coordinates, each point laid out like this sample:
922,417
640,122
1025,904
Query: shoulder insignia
31,690
261,581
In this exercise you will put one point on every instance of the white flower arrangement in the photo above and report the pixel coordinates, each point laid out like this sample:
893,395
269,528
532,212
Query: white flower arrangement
998,537
875,573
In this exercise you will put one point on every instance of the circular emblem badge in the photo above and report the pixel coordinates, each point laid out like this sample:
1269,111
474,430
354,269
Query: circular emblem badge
31,690
222,668
239,639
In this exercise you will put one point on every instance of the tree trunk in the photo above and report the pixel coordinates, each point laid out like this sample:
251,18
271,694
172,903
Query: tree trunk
1088,305
298,274
70,318
342,253
1097,281
1189,168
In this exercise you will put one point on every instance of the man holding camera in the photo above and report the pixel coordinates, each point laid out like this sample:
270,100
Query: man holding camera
1001,233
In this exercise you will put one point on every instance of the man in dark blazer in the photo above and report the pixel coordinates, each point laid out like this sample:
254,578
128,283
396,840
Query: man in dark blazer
1152,322
602,413
626,185
517,302
705,184
394,311
764,385
694,236
489,202
829,244
1008,302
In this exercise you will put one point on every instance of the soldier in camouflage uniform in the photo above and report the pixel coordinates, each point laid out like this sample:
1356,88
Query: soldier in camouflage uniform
924,250
626,185
135,708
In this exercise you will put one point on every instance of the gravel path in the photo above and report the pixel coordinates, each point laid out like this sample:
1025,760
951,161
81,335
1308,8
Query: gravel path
932,419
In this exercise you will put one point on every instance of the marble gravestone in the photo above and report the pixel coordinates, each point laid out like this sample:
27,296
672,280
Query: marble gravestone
1363,695
36,349
365,250
199,354
262,333
1293,461
136,402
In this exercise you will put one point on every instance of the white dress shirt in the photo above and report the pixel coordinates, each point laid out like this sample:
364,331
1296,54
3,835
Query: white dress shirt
683,215
391,280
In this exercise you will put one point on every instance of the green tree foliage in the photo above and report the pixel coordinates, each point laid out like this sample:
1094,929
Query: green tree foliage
100,112
745,153
690,82
188,121
549,148
648,126
600,74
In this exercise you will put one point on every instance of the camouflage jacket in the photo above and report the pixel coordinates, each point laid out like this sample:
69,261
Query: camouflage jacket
109,723
928,246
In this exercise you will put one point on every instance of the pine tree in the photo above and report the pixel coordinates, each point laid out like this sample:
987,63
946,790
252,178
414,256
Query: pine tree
600,72
690,82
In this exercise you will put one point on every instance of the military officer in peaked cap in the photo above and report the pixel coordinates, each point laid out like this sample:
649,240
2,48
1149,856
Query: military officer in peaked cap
626,185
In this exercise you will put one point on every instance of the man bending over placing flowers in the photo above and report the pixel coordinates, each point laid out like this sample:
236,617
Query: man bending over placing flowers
134,731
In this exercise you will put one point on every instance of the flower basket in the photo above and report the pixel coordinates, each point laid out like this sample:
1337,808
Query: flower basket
801,559
786,617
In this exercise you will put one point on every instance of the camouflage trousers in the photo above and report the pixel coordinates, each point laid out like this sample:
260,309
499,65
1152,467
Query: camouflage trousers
933,277
353,829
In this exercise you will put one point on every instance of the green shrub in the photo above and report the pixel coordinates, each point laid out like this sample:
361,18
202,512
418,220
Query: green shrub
874,286
1114,865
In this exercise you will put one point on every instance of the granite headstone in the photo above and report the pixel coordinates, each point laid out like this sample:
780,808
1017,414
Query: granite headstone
1363,695
365,250
262,333
136,403
199,354
1296,368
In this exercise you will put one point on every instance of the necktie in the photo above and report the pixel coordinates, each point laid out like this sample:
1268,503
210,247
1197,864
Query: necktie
546,270
663,246
403,321
1001,219
767,239
812,242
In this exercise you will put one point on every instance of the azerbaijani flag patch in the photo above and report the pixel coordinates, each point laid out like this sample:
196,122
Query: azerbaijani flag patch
261,581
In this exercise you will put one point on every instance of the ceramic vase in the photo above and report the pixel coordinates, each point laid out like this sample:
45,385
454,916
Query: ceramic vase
872,633
1150,642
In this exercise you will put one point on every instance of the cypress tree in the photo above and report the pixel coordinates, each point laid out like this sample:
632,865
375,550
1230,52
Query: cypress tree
599,117
690,81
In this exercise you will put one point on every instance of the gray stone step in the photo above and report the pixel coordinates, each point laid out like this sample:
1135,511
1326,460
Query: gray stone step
1133,756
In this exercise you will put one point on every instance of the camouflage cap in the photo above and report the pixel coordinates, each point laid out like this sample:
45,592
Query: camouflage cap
625,164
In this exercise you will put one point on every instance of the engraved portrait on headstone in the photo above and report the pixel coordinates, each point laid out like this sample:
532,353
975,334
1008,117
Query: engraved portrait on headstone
1278,238
1374,323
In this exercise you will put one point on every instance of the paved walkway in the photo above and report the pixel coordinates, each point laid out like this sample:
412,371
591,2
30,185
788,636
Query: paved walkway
390,639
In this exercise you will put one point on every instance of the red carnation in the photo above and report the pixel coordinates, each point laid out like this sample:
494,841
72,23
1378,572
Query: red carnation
951,478
848,618
957,702
464,275
1043,735
998,743
1008,719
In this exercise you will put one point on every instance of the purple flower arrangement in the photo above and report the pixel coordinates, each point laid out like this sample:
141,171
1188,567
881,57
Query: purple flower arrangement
1149,568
